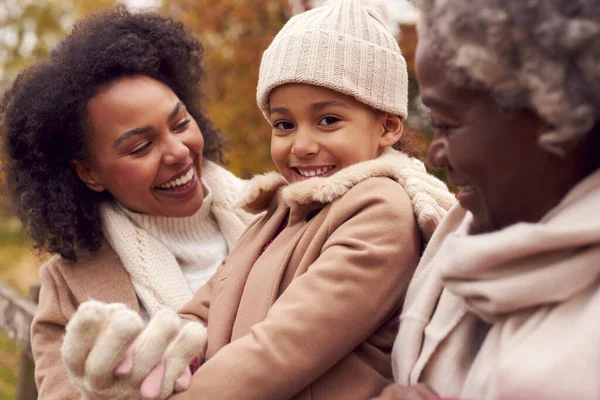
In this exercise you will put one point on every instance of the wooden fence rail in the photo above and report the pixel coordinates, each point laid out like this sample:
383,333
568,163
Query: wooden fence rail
16,314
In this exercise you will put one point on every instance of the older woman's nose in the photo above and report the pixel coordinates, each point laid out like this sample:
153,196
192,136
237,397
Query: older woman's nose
437,153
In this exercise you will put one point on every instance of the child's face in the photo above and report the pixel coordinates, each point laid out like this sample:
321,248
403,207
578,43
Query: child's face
317,131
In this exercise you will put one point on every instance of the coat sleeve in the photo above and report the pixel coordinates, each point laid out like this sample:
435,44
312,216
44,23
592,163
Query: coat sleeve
47,331
359,278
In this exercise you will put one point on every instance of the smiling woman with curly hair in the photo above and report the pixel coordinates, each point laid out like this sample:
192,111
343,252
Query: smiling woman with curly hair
47,123
112,166
506,299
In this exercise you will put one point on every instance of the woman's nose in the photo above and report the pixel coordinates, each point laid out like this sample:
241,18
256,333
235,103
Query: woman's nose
304,144
437,154
175,151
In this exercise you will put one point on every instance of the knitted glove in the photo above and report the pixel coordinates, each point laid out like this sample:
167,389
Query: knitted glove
98,336
430,196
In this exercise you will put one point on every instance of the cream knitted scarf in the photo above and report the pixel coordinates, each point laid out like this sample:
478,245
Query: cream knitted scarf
538,286
155,273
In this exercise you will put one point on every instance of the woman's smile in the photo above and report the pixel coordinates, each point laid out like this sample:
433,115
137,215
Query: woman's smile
181,186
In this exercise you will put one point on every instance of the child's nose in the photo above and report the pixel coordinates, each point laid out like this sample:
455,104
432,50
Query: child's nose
304,144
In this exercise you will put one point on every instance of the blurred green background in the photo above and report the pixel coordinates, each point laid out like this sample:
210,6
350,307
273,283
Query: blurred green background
234,33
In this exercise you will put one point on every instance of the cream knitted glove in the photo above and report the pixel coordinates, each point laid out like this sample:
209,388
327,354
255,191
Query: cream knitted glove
98,336
430,196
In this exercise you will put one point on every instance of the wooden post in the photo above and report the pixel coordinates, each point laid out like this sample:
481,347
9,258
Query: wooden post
16,314
26,389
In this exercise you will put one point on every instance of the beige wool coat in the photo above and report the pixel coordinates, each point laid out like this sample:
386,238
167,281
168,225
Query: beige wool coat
101,275
64,286
314,315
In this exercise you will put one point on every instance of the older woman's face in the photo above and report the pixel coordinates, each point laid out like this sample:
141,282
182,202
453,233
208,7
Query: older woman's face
503,176
146,147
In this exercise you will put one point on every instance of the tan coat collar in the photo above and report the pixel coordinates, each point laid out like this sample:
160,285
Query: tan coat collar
262,188
98,275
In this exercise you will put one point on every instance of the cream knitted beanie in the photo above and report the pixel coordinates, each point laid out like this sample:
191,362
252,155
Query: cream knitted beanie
344,46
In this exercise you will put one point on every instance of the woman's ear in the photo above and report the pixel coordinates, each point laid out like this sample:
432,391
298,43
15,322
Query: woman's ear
393,127
87,176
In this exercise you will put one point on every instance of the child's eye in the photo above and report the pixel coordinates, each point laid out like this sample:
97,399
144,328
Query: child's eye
328,120
283,125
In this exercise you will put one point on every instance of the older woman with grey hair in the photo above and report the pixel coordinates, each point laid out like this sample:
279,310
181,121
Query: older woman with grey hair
506,299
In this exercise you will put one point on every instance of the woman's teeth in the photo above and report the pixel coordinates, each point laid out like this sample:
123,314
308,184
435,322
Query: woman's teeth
317,172
182,180
465,188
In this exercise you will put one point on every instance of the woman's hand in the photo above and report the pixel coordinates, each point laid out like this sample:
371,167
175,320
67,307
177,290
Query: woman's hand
400,392
110,355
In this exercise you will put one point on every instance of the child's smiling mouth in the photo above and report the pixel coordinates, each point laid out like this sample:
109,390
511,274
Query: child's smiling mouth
310,172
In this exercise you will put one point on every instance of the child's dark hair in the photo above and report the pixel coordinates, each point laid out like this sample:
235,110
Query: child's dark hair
44,125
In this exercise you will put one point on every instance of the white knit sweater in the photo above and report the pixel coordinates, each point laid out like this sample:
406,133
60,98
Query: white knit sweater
156,251
196,241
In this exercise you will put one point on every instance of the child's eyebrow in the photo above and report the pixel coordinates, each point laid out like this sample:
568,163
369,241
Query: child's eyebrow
280,110
323,104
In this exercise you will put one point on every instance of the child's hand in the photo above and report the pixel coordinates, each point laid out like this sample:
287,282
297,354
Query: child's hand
110,355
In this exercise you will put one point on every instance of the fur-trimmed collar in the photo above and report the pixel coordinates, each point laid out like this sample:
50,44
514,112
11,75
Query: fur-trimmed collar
261,189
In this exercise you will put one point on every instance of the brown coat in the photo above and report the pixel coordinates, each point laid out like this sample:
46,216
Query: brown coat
100,276
315,315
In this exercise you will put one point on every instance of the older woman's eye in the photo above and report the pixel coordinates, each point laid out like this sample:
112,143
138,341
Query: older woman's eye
329,120
283,125
440,127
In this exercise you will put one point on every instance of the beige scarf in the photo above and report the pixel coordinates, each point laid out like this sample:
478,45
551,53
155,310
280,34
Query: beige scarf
537,285
155,273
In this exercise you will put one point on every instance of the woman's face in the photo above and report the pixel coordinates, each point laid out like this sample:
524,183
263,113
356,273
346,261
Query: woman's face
146,149
493,157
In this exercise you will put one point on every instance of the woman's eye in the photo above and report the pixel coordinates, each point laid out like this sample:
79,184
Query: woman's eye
329,120
283,125
181,126
441,127
140,149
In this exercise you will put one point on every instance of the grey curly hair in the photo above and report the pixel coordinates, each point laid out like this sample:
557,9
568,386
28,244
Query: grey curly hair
538,54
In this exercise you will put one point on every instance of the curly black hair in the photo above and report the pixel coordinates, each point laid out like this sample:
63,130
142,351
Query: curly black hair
44,123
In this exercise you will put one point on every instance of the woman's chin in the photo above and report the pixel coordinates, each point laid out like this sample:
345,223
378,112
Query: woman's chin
480,225
182,204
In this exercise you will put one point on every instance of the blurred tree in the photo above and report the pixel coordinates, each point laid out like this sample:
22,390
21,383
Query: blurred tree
28,30
81,8
234,34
